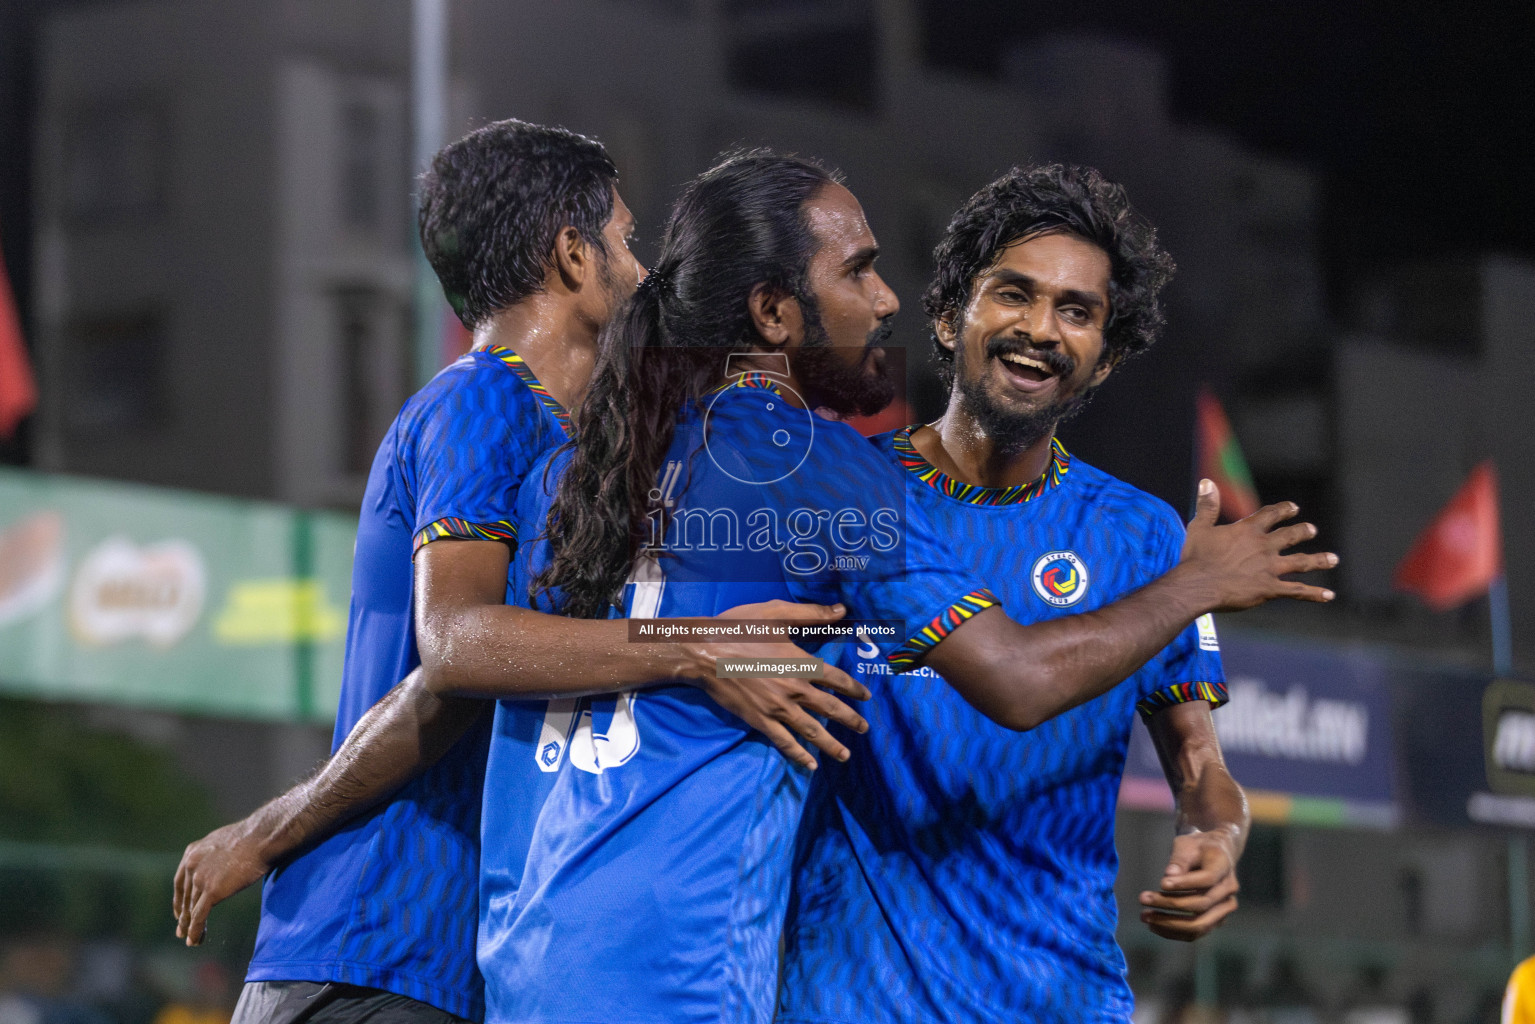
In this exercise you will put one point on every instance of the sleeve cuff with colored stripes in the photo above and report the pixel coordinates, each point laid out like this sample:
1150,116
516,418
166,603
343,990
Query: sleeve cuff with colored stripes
906,656
463,529
1182,693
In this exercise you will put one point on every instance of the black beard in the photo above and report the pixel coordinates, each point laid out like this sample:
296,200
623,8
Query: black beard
607,279
1017,431
833,384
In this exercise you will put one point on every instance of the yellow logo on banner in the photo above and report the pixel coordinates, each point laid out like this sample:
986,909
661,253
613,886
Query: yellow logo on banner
278,611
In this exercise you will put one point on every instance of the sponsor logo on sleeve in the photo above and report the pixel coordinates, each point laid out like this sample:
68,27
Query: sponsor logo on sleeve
1208,641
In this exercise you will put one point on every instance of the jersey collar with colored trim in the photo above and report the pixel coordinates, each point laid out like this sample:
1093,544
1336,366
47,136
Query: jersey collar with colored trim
750,379
975,494
517,365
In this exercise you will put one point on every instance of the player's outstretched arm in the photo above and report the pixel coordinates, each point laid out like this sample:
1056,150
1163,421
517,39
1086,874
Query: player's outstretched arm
523,654
415,724
1021,676
403,734
1198,890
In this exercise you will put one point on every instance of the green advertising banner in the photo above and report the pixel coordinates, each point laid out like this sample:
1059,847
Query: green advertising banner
127,594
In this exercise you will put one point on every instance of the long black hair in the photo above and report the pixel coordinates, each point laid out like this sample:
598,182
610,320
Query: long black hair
740,224
493,203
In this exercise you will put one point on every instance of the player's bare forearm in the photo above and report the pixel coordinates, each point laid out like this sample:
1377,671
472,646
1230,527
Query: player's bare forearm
555,656
504,651
400,736
1208,799
1021,676
1198,888
472,644
1214,803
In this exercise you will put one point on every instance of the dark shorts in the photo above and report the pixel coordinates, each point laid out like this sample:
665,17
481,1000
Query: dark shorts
328,1002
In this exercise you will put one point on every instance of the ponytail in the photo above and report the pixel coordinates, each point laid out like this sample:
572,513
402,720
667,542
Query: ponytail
738,225
624,429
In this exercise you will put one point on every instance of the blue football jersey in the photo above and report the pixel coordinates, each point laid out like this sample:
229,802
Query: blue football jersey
953,870
528,737
654,885
389,901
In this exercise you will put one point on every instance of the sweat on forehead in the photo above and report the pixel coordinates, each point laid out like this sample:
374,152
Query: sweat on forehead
836,219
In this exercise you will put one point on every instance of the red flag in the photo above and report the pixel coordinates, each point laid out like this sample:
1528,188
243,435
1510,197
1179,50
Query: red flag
18,390
1220,458
1461,552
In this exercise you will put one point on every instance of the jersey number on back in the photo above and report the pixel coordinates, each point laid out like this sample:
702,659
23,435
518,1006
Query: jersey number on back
600,732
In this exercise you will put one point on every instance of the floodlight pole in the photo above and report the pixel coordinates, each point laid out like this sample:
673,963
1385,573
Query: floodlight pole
1502,631
429,95
1518,841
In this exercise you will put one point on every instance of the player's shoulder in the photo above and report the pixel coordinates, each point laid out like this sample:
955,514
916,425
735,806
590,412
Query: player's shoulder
884,441
544,477
475,382
755,433
482,398
842,466
1121,501
849,443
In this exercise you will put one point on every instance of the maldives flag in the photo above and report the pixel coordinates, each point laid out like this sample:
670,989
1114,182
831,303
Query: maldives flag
1461,552
18,391
1220,458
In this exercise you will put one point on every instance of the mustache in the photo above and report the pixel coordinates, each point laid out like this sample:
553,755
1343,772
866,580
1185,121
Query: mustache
1059,362
880,334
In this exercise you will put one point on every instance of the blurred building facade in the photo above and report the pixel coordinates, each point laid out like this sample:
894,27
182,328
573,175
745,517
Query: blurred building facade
259,153
223,257
222,230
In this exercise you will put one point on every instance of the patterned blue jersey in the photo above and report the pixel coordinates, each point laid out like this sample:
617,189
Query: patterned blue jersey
389,901
952,870
657,875
528,738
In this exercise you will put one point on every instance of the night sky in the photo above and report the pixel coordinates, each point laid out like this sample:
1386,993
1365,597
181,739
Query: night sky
1417,115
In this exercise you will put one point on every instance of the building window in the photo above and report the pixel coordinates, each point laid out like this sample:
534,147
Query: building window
115,161
836,66
825,52
369,333
115,373
362,158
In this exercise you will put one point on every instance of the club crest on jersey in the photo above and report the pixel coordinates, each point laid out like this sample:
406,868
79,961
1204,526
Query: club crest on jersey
1060,578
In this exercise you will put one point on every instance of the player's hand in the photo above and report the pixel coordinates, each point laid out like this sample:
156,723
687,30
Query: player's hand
1199,887
780,706
213,869
1243,563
